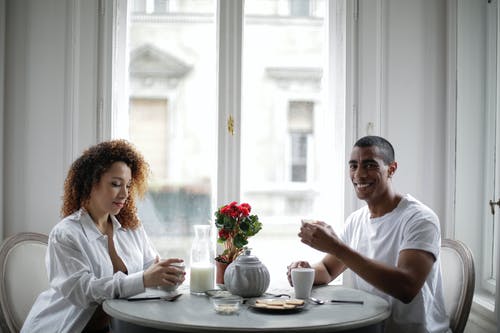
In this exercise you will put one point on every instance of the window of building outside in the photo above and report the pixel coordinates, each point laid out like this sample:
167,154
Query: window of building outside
173,120
300,128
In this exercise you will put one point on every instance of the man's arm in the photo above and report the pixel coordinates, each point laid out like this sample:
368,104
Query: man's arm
402,282
327,269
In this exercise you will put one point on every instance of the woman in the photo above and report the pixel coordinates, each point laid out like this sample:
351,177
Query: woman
100,249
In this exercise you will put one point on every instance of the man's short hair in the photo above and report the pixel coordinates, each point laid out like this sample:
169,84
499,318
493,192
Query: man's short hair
385,148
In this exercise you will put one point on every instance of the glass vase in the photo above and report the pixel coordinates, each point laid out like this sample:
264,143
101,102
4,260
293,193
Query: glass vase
202,261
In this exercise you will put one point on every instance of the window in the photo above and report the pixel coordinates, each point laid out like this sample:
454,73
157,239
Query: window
492,111
161,6
138,6
299,7
299,157
478,145
492,174
281,123
300,128
172,118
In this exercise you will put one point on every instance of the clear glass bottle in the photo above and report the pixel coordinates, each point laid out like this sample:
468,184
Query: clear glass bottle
202,274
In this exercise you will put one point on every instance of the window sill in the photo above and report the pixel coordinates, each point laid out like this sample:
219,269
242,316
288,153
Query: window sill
482,313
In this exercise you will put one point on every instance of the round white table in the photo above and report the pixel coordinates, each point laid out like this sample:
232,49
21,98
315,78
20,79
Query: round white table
192,313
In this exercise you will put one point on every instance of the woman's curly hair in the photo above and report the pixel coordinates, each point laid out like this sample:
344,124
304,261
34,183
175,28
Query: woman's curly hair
87,170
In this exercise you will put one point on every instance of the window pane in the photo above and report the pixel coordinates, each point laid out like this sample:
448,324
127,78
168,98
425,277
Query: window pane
172,116
299,7
492,147
283,175
161,6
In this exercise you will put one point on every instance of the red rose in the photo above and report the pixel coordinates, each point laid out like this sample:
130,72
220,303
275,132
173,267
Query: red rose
225,210
247,206
223,234
244,211
234,213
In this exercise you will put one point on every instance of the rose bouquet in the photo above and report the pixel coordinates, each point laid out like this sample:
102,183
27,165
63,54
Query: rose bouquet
235,224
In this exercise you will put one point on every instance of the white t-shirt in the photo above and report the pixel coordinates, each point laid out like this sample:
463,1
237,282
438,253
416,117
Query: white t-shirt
411,225
81,273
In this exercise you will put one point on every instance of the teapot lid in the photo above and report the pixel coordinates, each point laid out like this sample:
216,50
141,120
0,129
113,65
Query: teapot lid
247,258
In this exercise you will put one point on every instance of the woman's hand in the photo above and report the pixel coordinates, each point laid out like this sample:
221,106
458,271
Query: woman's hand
163,273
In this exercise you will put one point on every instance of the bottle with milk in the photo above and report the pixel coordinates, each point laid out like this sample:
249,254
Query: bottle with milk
202,261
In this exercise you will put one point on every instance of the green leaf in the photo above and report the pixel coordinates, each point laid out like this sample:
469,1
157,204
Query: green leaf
245,225
229,223
239,241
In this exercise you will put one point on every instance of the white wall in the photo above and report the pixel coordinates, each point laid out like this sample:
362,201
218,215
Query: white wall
401,84
49,104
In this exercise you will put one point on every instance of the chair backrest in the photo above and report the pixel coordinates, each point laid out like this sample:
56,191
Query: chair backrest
457,269
23,276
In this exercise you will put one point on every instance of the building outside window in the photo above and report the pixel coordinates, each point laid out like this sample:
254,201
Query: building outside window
173,120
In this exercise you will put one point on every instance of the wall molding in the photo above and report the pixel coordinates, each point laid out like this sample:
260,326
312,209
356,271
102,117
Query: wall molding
451,115
381,70
71,96
2,103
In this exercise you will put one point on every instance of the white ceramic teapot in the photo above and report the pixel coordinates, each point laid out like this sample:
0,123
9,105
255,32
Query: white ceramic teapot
246,276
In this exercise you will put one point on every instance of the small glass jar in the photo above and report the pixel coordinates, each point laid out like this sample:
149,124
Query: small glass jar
227,305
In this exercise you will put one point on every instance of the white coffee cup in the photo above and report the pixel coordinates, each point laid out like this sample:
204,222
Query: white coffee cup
302,280
173,287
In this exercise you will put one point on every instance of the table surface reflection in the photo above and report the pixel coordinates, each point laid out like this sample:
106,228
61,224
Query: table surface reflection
191,313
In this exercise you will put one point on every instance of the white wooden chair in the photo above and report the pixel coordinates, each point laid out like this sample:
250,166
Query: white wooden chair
457,268
22,277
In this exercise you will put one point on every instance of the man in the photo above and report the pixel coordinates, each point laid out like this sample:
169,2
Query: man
391,245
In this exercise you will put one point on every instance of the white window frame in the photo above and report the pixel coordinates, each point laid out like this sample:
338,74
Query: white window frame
486,282
111,81
485,312
112,89
229,68
497,105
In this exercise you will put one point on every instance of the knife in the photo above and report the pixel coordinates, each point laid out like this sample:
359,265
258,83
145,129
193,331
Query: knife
163,298
346,301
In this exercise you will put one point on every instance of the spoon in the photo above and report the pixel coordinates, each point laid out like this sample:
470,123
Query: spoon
316,300
278,295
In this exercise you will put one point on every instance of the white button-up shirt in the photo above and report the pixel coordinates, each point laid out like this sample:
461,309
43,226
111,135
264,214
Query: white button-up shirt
81,273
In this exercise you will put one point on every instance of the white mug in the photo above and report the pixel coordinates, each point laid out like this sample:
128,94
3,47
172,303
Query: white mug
302,280
173,287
